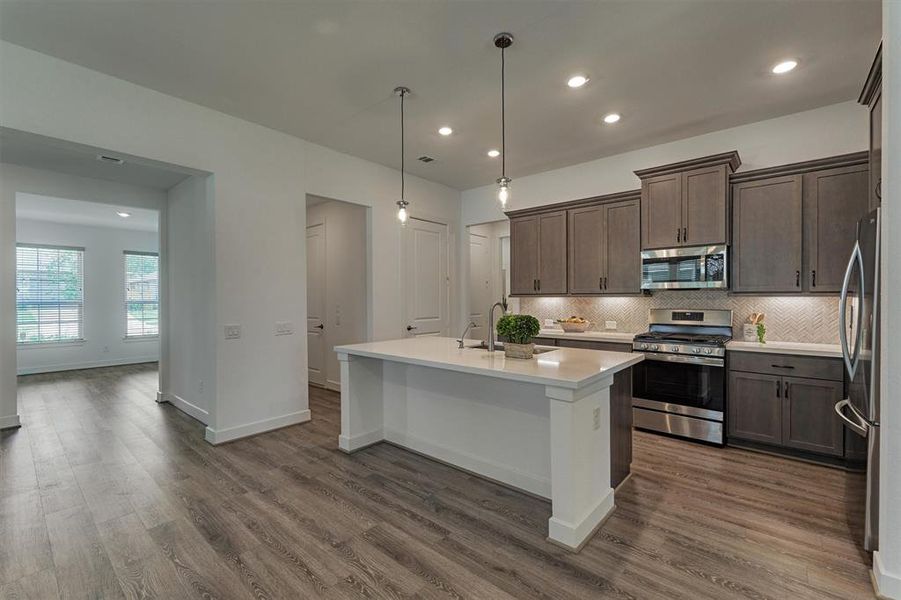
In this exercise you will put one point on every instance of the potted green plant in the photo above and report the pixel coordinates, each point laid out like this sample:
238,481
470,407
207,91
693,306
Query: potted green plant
518,331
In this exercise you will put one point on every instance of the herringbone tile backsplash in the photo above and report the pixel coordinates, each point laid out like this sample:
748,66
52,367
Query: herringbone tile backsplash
788,318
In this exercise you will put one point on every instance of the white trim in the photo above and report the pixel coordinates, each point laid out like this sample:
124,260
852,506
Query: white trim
86,365
59,344
160,397
575,535
186,407
352,443
10,422
888,585
233,433
334,386
474,464
141,338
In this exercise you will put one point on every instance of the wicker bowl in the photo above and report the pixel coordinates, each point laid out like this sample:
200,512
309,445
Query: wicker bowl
574,327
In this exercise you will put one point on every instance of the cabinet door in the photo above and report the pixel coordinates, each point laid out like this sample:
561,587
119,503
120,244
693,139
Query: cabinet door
524,256
661,211
586,264
755,407
766,235
834,201
809,421
622,248
704,206
552,253
876,152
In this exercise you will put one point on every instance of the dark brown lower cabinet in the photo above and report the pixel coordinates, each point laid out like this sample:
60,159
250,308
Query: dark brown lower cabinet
809,421
592,345
755,407
785,412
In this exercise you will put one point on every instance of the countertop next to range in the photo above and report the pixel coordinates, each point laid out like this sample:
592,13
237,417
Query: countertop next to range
794,348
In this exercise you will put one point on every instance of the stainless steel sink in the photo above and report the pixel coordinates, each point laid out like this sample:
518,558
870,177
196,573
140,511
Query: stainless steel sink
499,347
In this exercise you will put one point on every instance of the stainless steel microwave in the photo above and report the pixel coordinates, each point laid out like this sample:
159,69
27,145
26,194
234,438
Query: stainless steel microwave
696,267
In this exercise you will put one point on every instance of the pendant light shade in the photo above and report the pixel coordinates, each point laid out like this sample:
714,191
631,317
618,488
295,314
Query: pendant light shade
402,203
503,41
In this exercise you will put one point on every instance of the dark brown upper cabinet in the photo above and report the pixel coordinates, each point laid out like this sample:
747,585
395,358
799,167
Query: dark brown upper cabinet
685,203
604,249
871,97
834,200
794,225
538,254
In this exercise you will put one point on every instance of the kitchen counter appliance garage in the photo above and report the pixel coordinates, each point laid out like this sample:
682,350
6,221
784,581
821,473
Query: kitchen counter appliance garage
680,388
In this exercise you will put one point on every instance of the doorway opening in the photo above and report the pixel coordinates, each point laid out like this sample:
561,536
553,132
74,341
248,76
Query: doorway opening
489,274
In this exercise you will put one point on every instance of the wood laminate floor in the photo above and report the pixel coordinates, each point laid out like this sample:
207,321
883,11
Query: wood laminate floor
106,494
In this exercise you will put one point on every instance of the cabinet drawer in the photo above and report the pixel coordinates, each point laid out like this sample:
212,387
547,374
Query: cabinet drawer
590,345
813,367
544,341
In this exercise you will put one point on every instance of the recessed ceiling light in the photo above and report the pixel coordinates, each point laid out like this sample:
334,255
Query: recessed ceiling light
577,81
494,153
124,215
445,130
611,118
785,66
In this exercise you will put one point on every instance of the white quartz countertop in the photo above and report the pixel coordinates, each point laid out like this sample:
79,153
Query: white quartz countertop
562,367
797,348
594,336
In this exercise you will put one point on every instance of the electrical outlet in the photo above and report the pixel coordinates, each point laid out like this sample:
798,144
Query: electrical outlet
597,418
609,324
550,323
284,328
232,332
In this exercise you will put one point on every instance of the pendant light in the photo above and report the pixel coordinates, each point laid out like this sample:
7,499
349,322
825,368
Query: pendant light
402,203
503,41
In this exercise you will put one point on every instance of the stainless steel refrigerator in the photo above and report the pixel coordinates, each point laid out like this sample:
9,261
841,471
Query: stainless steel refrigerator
859,336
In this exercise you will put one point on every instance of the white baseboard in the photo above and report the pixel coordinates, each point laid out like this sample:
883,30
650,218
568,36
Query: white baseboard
334,386
233,433
888,585
574,535
352,443
10,422
93,364
474,464
186,407
161,397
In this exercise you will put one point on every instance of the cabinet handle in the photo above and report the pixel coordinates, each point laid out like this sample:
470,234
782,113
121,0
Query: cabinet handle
685,234
813,276
600,283
539,285
787,388
782,366
678,235
797,278
879,189
534,285
778,389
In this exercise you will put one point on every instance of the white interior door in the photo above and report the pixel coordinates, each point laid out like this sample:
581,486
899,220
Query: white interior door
316,346
426,280
479,283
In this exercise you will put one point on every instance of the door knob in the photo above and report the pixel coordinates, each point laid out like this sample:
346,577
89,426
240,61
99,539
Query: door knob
320,326
411,328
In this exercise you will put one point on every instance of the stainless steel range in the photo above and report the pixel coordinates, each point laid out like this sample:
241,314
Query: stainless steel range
680,387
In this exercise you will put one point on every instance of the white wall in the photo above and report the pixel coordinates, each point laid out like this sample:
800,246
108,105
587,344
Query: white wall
104,298
345,279
818,133
191,310
13,179
260,179
887,561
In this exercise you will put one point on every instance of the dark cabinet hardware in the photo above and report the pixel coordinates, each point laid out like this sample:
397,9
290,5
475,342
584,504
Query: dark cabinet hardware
797,278
320,326
778,388
605,282
685,234
678,235
539,285
534,285
782,366
813,277
600,283
879,189
787,388
411,328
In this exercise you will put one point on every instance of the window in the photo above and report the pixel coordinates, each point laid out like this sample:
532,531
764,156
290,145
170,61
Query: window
49,294
142,294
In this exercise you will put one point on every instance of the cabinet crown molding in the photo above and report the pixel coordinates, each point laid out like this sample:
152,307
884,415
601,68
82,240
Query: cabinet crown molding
725,158
534,210
874,80
798,168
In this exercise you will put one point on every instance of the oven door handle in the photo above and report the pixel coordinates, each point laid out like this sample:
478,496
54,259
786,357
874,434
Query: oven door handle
679,358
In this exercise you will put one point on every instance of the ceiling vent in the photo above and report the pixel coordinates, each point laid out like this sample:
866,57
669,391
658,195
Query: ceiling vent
425,158
110,159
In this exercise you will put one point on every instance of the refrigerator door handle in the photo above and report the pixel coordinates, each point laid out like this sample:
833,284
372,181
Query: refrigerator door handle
850,362
857,425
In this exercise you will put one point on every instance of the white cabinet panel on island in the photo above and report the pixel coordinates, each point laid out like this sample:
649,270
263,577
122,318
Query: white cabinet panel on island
540,425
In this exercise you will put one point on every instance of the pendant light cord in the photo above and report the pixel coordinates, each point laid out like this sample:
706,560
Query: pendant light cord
402,153
503,117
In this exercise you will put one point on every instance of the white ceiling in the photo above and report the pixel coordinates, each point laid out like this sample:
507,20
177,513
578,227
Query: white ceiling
79,212
44,153
324,71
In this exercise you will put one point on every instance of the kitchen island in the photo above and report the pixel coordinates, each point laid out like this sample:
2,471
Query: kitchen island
540,425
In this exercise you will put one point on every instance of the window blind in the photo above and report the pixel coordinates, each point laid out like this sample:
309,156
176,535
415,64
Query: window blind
142,294
49,294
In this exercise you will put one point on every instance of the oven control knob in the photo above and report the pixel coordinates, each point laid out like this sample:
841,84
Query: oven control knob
655,347
696,350
644,346
674,348
708,351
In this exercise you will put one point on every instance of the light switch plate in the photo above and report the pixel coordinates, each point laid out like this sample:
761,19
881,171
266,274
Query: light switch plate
232,332
609,324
